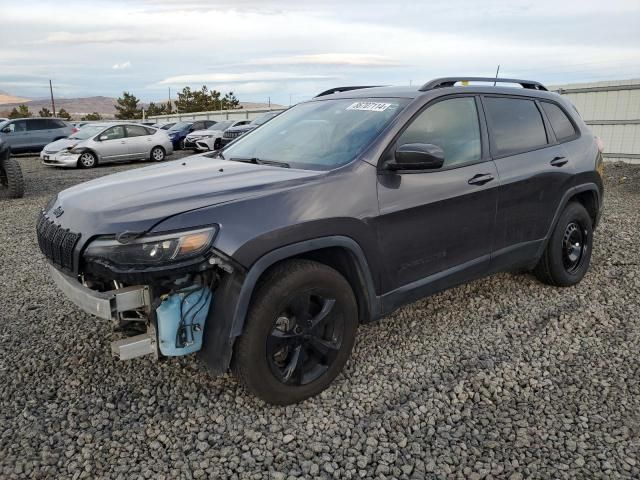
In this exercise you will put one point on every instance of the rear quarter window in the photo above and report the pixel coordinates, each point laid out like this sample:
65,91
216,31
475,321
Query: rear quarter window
560,122
515,124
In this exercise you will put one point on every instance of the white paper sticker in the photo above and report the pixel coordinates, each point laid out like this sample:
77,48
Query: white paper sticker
369,106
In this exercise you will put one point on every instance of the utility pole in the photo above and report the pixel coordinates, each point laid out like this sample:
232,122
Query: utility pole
497,72
53,105
269,103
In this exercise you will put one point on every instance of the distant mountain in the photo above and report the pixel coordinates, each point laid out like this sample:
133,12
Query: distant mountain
6,98
78,107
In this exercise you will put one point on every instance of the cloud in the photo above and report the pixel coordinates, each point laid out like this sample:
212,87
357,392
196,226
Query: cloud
240,77
107,36
122,66
335,59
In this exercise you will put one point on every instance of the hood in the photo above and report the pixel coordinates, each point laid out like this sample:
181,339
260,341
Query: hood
61,144
138,199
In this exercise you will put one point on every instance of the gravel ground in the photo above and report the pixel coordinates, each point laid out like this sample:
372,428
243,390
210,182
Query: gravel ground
500,378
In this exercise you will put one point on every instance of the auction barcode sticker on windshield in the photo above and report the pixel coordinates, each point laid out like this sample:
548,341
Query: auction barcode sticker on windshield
369,106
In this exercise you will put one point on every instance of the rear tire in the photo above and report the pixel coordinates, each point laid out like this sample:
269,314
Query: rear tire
299,332
11,177
87,160
566,258
181,145
157,154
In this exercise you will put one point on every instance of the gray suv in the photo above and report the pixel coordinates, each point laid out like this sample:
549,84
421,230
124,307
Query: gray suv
32,134
266,256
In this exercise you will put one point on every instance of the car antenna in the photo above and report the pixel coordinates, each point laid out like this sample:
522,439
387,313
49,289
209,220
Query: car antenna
497,72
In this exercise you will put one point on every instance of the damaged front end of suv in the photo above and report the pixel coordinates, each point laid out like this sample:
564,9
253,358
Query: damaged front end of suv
157,289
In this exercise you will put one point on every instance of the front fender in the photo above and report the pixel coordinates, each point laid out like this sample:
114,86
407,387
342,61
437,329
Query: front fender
232,298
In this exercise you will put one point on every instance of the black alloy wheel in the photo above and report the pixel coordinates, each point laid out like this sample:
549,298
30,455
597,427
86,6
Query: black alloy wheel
305,339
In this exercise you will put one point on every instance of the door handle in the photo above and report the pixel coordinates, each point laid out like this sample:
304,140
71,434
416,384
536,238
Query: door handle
558,161
123,142
480,179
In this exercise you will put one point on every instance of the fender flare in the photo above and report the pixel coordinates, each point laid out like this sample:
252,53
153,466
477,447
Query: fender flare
584,187
282,253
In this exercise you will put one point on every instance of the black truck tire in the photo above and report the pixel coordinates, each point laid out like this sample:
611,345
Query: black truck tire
566,258
299,332
12,177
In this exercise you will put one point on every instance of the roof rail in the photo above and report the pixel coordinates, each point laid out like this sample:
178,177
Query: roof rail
451,81
343,89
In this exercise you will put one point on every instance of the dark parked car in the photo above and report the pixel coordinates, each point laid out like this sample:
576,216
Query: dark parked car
179,131
32,134
267,256
10,172
232,133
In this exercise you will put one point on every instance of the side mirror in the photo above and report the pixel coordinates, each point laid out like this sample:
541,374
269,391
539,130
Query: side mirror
6,130
102,138
416,156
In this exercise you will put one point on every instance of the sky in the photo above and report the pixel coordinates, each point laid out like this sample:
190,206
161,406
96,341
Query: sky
288,50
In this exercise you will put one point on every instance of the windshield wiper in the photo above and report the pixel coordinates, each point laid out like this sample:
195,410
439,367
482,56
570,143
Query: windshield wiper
259,161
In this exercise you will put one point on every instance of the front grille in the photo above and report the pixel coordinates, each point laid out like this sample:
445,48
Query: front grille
56,243
232,134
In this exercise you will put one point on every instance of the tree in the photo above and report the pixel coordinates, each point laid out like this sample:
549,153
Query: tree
21,112
127,107
62,113
92,116
230,102
204,100
161,109
45,112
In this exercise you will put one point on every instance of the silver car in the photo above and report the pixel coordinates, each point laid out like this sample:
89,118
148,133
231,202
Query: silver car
108,142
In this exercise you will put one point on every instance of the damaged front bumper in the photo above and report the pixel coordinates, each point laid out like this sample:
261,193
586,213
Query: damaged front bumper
107,305
112,305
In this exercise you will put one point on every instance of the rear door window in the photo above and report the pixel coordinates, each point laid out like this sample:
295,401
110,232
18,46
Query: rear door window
56,124
515,125
136,131
37,124
562,126
450,124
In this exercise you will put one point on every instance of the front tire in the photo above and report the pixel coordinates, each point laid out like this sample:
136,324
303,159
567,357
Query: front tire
11,177
299,332
566,258
157,154
87,160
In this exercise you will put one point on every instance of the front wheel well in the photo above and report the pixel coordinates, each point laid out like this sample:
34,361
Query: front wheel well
345,262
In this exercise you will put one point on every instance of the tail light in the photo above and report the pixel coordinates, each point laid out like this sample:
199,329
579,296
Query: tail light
74,130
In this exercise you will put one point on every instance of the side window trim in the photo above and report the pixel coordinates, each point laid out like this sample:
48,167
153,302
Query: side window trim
577,131
551,139
485,155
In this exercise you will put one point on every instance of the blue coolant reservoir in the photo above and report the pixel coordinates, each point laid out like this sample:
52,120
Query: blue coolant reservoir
181,318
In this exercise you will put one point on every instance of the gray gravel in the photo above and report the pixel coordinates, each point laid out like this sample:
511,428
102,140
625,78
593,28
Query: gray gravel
501,378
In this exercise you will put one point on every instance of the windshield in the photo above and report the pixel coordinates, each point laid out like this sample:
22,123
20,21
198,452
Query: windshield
319,135
87,131
220,125
264,118
181,125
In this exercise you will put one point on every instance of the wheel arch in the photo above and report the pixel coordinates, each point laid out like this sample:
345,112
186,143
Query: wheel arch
226,319
90,150
588,195
339,252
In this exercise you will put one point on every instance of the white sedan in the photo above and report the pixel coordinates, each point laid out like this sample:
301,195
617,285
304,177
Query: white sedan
209,139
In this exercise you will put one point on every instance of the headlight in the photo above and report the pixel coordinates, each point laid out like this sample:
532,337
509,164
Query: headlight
152,250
